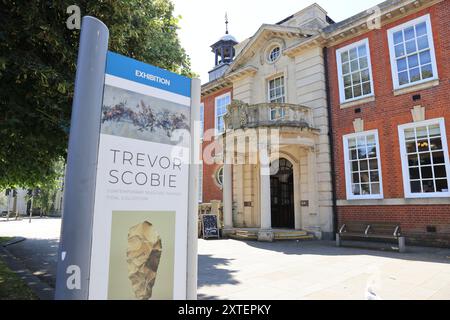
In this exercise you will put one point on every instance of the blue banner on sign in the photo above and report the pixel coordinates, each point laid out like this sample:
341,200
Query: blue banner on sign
133,70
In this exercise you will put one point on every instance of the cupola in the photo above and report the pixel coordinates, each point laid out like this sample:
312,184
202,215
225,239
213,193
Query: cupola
224,53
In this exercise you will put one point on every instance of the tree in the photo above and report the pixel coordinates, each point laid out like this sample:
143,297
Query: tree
48,189
37,70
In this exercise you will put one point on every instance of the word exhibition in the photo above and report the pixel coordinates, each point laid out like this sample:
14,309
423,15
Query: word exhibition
160,171
151,77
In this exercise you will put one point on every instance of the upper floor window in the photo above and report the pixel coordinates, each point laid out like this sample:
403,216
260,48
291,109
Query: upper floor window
425,163
362,166
412,52
354,71
276,95
274,54
276,90
221,109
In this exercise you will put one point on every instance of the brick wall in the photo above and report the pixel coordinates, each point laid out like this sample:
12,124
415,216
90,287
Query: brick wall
211,190
386,113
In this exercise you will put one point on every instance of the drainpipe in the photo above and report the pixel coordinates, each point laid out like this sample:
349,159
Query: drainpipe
331,139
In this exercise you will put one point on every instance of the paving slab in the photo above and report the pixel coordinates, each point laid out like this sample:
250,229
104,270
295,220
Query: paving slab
232,269
319,270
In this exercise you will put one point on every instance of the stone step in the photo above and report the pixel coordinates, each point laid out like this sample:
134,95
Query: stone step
290,233
293,237
246,234
243,234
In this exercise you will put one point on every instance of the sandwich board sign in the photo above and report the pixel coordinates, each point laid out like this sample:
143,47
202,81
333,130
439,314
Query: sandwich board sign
138,180
210,227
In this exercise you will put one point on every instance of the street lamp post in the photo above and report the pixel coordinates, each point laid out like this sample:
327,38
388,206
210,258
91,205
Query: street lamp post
8,194
30,193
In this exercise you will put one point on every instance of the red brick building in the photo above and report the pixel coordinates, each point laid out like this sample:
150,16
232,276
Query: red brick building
212,172
216,95
389,95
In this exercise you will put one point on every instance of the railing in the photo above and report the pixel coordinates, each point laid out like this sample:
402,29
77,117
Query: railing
243,115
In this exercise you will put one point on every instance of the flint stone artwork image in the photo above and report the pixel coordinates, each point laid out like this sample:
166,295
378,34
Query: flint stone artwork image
143,256
132,115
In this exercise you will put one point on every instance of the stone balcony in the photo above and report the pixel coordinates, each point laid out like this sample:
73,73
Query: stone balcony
242,115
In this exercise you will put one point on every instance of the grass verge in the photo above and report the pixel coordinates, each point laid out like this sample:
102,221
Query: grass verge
4,240
11,286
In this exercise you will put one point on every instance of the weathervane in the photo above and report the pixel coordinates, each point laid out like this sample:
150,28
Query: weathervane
226,22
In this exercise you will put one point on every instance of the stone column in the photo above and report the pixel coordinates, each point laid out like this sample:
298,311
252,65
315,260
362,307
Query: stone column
314,221
227,198
297,197
239,194
265,233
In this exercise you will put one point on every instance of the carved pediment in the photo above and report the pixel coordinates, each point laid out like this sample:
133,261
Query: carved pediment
265,34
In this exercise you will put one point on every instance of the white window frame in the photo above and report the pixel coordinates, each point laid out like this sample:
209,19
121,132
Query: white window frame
202,120
340,74
404,158
215,113
217,175
270,58
426,18
348,170
284,94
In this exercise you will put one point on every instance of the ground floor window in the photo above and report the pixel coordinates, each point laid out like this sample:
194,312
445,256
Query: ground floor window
425,162
362,166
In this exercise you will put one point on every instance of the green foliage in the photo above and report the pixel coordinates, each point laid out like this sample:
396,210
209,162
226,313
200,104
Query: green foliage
49,188
37,70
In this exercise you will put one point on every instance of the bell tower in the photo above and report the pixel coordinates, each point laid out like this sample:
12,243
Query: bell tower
224,53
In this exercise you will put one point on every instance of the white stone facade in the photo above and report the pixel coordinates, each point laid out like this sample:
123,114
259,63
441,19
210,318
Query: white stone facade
304,85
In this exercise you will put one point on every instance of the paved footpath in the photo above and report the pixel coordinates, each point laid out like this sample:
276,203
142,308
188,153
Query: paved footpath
230,269
38,251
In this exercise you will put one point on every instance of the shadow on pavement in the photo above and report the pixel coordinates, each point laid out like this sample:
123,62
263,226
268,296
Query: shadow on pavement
328,248
202,296
212,272
39,256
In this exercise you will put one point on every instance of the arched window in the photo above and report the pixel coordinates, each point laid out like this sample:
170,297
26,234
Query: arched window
219,176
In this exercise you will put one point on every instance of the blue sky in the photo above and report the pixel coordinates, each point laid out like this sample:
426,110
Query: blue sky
202,21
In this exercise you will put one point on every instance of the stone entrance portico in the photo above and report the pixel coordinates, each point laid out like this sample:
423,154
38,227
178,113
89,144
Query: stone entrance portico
256,138
280,111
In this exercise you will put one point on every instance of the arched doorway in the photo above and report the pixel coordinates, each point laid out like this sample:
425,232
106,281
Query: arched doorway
282,195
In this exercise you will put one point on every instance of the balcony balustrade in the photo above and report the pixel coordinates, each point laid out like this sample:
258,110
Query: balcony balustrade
242,115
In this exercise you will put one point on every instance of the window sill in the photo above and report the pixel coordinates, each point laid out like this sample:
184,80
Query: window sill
378,197
395,202
428,195
417,87
357,102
